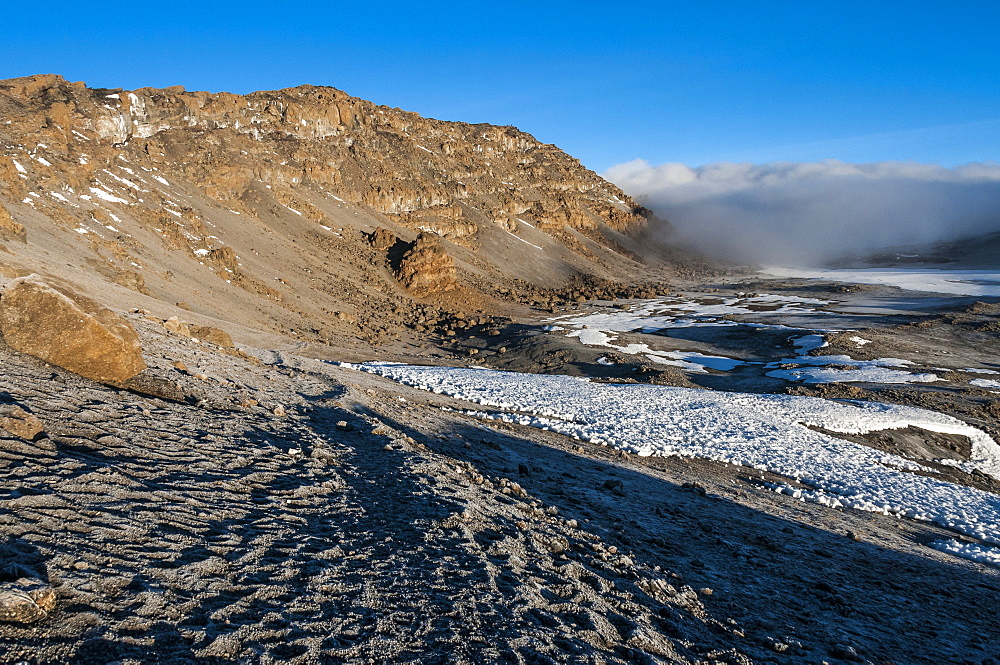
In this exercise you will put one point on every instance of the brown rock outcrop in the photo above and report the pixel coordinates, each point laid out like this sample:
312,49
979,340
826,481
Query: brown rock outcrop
391,160
212,335
277,192
9,229
70,330
382,239
426,269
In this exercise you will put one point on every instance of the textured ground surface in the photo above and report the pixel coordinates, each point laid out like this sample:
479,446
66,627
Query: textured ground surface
215,530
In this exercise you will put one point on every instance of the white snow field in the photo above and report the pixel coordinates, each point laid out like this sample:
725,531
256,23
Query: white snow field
766,432
956,282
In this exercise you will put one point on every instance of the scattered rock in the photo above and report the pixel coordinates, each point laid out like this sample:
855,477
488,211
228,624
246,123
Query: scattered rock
382,239
216,336
344,426
20,423
225,257
154,386
26,600
557,544
174,325
845,652
70,330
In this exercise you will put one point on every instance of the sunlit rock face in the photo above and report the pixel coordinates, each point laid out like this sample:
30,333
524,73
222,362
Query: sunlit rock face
447,176
261,207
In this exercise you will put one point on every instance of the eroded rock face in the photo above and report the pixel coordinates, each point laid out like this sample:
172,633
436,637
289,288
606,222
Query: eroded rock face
426,269
382,239
420,172
9,229
70,330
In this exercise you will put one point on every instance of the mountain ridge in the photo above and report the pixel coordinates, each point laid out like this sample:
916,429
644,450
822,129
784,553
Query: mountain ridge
161,183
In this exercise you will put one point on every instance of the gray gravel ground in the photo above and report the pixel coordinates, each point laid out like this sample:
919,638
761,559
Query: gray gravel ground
290,511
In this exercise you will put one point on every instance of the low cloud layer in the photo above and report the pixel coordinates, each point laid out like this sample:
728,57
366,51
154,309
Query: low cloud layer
808,213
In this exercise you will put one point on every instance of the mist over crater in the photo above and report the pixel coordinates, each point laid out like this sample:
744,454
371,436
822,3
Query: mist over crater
811,213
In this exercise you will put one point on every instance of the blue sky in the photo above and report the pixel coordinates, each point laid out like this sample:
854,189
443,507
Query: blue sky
608,82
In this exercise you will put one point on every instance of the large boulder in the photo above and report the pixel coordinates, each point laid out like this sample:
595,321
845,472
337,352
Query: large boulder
26,600
70,330
212,335
427,269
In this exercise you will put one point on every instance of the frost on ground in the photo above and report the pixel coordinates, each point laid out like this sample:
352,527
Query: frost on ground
765,432
840,368
654,315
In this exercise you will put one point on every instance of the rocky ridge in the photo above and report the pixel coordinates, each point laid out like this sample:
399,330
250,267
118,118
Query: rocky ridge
277,193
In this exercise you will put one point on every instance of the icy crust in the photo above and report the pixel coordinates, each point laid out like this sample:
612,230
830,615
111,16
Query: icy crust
985,383
765,432
842,369
971,551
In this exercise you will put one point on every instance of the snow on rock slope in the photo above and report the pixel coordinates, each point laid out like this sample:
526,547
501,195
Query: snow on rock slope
765,432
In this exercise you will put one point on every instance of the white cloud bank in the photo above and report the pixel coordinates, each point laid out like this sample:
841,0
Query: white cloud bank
810,212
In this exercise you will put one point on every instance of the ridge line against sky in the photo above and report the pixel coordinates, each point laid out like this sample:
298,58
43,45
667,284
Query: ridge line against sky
665,82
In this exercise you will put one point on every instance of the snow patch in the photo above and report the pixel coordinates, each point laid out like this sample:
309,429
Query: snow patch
759,431
970,551
106,196
807,343
985,383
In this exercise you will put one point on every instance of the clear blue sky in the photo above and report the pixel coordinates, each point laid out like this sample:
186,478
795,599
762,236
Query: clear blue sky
608,82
